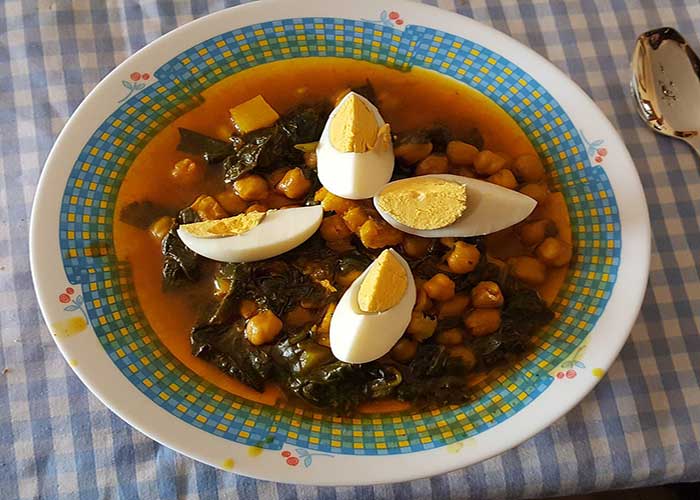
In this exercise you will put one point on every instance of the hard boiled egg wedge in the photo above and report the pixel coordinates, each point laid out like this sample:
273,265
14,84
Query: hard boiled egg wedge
254,236
355,156
435,206
374,312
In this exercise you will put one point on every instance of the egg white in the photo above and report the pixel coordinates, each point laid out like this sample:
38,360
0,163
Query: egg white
279,232
360,337
490,208
354,176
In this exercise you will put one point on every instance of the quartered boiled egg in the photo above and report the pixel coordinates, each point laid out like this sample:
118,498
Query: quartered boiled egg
434,206
375,311
355,155
253,236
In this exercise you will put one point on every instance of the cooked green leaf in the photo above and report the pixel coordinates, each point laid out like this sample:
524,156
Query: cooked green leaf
227,347
142,214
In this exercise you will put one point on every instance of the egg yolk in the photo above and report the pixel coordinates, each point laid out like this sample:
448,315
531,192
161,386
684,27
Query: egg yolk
354,127
384,286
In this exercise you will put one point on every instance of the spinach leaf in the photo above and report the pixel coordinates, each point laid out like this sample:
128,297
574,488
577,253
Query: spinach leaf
227,347
280,287
434,377
237,275
271,147
142,214
211,149
180,264
305,123
523,314
262,150
340,386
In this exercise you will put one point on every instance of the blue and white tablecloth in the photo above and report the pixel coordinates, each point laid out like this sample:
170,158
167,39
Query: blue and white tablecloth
640,426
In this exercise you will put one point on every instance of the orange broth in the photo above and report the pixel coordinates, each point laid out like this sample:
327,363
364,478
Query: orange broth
408,100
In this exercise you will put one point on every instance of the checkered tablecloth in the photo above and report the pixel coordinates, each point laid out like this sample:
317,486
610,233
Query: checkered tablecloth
640,426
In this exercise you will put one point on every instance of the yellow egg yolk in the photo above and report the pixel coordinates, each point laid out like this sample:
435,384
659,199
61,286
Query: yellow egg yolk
230,226
384,285
424,202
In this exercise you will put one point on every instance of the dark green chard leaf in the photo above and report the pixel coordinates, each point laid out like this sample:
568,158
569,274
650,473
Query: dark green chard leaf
237,276
434,377
274,146
340,387
305,124
524,313
142,214
180,264
227,347
211,149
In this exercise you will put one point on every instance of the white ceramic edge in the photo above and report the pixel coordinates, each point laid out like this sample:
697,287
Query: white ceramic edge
116,392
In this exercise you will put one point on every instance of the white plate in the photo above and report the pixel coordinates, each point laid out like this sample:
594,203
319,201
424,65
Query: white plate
605,200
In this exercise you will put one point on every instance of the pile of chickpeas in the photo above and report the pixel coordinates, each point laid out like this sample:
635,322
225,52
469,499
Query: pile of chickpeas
524,173
479,310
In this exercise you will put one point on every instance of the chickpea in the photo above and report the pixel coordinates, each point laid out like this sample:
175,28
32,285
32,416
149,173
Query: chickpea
411,153
467,172
276,175
354,218
160,227
324,327
433,164
347,279
453,307
415,246
256,207
263,328
333,203
247,308
423,302
465,354
537,192
529,270
505,178
208,208
294,184
251,187
554,252
299,317
276,200
453,336
508,159
481,322
421,326
534,233
186,172
488,163
528,168
461,154
374,234
440,287
404,350
333,228
231,202
463,258
486,294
